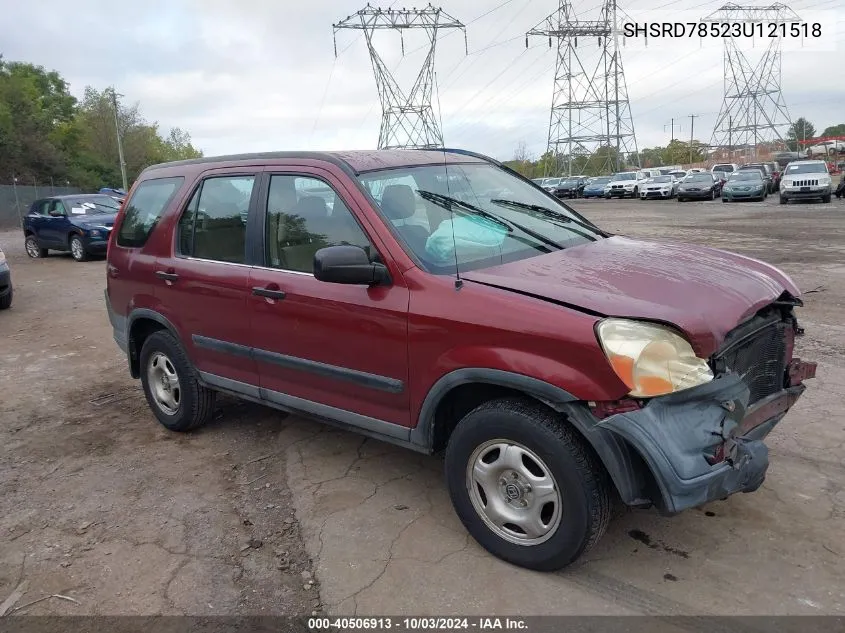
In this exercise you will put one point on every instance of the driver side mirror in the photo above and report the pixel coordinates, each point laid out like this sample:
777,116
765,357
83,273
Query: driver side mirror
348,265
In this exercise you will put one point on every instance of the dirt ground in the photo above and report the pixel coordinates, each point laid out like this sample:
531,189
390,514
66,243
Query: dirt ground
259,513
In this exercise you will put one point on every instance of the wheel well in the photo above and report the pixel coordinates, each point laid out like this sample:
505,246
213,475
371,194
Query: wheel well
460,401
28,232
140,330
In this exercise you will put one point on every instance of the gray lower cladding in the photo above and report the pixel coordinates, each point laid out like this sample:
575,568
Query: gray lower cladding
365,379
342,418
118,324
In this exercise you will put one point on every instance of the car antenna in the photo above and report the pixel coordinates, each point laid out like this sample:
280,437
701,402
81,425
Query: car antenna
458,281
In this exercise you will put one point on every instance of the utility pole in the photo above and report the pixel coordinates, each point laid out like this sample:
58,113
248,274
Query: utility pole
114,97
692,118
590,108
672,125
408,120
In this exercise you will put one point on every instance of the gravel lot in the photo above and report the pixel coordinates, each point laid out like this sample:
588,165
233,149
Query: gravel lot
267,514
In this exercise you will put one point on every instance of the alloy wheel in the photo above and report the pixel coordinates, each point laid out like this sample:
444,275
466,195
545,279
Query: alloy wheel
32,248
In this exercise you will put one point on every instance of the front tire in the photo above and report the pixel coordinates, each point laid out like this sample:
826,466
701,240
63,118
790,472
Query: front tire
526,485
33,249
77,249
782,199
171,385
826,198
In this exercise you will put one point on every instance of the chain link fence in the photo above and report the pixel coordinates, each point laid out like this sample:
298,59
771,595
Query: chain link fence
15,199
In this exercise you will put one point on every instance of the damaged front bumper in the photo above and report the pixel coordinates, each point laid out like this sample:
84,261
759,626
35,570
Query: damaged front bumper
706,443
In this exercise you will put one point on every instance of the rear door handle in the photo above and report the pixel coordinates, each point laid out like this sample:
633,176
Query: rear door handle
166,276
269,293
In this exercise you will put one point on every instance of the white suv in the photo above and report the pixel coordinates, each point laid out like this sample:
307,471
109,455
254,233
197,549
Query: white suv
805,179
625,184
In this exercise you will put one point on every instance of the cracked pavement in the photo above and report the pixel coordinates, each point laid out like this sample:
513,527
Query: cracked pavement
101,504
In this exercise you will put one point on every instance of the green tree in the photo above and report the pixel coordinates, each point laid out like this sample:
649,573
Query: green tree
801,129
680,152
46,134
834,130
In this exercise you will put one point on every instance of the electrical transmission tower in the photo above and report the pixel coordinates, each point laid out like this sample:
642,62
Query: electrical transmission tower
407,120
591,115
753,110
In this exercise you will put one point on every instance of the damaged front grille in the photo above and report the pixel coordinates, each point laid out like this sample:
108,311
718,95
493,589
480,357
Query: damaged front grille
758,351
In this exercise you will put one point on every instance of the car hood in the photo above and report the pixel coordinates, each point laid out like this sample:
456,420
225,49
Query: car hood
704,292
105,219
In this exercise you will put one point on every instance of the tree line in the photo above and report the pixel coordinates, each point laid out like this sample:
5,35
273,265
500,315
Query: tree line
47,135
605,160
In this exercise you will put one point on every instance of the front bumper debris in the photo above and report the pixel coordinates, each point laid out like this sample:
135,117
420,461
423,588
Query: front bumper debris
705,443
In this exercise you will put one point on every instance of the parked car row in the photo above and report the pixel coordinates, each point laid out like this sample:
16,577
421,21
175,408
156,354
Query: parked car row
730,181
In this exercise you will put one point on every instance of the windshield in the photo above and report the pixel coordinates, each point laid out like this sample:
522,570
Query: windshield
92,205
484,217
662,179
599,181
552,182
630,176
699,178
746,175
569,181
728,168
806,168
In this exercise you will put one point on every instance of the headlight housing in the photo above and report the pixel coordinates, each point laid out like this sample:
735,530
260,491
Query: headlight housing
652,360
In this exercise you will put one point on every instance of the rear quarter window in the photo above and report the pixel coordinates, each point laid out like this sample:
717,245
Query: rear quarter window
145,208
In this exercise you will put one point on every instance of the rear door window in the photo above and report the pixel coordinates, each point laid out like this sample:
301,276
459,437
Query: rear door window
145,208
213,225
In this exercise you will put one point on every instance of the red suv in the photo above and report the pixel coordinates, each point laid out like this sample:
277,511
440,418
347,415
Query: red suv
440,301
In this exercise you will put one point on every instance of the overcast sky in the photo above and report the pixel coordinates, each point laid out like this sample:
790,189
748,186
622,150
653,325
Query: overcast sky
256,75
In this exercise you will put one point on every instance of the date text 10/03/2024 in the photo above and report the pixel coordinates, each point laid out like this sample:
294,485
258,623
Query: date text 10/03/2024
416,624
676,30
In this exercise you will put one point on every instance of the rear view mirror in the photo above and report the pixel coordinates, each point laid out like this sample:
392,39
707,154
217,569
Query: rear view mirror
348,265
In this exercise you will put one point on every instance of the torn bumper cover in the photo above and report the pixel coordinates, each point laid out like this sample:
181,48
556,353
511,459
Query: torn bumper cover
706,443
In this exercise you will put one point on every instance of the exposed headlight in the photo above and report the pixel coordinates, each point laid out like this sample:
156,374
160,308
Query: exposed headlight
652,360
824,180
95,232
629,185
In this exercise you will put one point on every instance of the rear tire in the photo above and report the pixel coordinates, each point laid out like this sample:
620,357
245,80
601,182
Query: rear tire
522,450
182,404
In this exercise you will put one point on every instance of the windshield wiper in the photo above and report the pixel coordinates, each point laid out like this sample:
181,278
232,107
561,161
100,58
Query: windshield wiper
446,202
552,216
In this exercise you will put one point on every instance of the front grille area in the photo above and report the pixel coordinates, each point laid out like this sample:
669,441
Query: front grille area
757,351
805,183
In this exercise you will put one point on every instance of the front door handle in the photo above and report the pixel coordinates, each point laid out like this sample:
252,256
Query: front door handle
166,276
270,293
